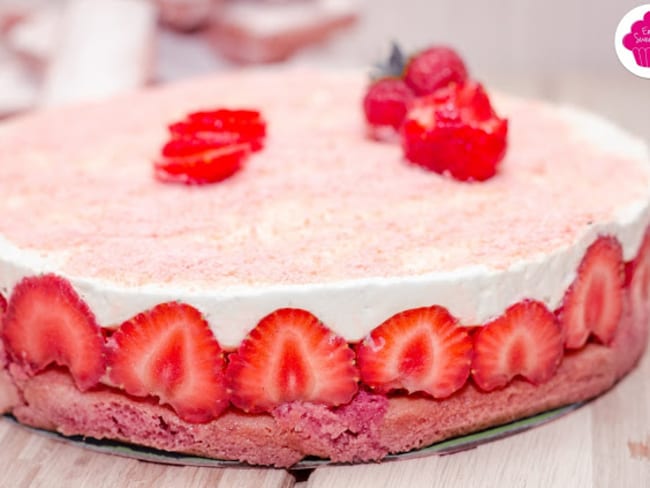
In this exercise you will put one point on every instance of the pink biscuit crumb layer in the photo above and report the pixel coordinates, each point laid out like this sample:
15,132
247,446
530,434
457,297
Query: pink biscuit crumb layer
320,203
366,429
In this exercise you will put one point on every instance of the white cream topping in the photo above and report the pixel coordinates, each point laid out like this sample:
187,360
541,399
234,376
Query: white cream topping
353,308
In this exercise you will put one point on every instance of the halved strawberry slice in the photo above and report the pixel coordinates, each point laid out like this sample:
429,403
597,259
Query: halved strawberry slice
170,352
246,126
3,306
422,349
594,301
204,166
525,341
194,144
290,356
455,130
47,322
638,280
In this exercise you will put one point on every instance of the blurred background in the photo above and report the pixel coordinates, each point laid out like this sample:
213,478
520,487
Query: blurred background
61,51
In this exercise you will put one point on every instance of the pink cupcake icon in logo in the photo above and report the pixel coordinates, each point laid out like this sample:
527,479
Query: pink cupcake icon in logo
638,41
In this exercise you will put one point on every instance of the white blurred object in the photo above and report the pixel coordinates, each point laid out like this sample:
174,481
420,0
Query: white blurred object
18,90
33,39
255,31
187,15
105,48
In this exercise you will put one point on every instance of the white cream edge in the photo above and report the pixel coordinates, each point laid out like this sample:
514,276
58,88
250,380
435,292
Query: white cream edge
353,308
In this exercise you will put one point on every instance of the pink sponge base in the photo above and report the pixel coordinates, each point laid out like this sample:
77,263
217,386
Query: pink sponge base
368,428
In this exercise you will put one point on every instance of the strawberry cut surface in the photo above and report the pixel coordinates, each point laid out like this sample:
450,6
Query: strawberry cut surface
205,166
291,356
210,146
419,350
48,323
455,131
170,352
525,341
594,301
638,280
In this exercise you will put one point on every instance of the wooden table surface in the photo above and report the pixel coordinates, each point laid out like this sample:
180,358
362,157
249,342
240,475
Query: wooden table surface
604,444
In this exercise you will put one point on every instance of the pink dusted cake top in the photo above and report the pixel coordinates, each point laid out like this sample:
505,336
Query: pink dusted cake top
321,203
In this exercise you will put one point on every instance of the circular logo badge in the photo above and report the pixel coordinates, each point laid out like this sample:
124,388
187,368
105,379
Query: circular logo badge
632,41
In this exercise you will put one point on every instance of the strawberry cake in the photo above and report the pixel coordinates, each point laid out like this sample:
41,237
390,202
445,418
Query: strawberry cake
327,295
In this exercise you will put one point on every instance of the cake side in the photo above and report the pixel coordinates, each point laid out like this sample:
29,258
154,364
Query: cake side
370,427
403,239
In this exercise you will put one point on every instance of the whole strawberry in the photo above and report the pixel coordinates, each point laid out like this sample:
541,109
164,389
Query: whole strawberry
434,68
386,103
455,131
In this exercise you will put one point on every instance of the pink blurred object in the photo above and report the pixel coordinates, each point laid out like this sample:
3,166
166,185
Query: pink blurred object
104,47
14,11
252,31
34,36
18,88
187,15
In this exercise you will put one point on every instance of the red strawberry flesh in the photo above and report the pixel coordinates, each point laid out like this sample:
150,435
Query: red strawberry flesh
208,166
455,131
419,350
594,301
525,341
210,146
386,103
169,352
638,281
291,356
47,323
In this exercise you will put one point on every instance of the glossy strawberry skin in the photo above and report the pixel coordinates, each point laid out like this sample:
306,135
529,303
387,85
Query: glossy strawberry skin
455,131
386,103
47,323
433,69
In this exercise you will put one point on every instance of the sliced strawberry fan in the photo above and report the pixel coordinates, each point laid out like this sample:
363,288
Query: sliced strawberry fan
210,146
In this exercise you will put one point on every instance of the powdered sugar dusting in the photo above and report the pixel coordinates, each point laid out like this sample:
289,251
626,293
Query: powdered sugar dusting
322,218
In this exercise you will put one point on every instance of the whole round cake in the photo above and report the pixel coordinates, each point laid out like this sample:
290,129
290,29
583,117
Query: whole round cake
328,297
